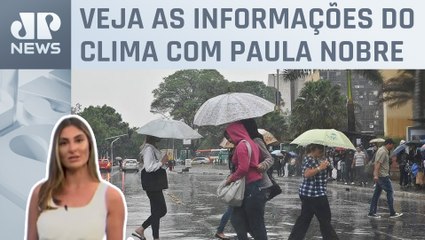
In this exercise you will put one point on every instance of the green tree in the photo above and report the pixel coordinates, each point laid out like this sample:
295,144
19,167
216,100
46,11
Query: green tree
319,105
254,87
183,92
106,123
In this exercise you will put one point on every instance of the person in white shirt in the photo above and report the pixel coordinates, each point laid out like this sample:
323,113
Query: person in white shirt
153,160
359,163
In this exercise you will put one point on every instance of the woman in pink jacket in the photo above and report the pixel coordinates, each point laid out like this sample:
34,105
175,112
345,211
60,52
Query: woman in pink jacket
250,216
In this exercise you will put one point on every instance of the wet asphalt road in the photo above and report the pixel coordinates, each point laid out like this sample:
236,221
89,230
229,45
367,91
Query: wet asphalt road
194,211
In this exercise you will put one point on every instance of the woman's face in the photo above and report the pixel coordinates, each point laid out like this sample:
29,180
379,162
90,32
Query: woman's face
74,150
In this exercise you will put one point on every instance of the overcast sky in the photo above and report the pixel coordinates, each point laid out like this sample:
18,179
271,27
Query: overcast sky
129,92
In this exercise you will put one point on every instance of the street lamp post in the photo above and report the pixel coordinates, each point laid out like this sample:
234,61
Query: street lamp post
112,144
112,148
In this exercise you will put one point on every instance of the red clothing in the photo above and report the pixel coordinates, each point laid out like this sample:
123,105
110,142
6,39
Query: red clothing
237,133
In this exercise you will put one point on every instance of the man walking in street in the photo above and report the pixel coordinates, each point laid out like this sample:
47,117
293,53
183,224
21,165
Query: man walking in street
382,180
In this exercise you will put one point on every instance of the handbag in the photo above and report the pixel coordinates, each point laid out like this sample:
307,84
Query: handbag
233,193
274,190
154,181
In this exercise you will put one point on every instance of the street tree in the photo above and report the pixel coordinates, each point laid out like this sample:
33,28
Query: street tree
319,105
183,92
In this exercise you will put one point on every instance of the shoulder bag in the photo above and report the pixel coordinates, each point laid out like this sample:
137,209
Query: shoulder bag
154,181
233,193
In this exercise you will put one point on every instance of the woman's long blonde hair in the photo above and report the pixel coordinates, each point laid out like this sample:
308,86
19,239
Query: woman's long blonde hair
56,172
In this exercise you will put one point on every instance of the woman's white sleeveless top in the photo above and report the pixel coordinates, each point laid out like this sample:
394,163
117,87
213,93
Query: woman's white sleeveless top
82,223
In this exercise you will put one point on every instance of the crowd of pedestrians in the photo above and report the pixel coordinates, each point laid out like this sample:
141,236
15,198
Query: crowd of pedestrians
319,165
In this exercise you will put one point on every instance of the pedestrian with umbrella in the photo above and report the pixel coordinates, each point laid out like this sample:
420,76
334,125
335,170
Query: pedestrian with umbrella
312,191
231,108
154,176
154,163
249,217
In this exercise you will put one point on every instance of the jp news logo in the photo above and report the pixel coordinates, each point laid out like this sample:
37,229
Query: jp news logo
33,33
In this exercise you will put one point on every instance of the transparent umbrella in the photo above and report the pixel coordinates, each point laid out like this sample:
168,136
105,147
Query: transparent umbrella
231,107
168,128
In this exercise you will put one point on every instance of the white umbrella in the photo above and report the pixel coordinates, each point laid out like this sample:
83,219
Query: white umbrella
167,128
277,153
231,107
377,140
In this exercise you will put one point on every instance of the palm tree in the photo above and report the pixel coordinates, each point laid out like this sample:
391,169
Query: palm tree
320,105
407,85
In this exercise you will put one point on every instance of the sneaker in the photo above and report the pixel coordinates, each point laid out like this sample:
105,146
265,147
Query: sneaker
352,183
345,183
373,215
396,215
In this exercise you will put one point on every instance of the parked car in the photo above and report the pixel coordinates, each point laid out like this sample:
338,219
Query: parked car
105,165
200,160
130,165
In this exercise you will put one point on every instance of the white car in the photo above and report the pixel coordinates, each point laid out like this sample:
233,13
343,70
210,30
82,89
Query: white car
200,160
130,165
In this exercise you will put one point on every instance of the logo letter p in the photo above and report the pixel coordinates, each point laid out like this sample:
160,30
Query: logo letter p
47,22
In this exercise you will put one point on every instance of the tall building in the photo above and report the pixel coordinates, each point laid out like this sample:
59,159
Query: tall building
367,108
289,90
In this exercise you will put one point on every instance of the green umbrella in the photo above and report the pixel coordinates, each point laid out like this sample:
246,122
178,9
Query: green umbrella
326,137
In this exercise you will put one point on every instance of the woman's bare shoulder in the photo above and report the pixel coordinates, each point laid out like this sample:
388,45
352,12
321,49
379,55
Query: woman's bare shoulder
113,194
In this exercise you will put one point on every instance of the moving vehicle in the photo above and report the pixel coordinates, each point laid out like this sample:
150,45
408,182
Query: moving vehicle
105,165
130,164
200,160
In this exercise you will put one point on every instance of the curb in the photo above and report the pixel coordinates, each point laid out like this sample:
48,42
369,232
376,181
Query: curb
369,189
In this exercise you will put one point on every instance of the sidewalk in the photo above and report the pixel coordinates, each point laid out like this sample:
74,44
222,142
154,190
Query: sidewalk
411,192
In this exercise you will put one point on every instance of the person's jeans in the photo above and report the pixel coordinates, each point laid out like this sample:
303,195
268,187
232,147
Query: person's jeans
384,183
250,216
343,172
224,219
158,210
359,173
311,206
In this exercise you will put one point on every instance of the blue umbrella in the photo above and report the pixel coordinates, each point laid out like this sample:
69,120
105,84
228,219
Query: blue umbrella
398,150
